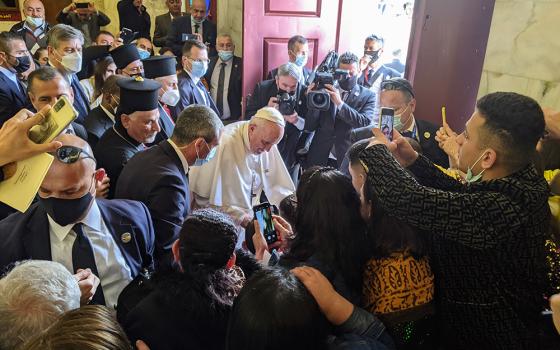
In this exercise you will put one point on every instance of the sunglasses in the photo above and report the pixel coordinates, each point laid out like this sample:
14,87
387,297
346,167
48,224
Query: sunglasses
394,84
71,154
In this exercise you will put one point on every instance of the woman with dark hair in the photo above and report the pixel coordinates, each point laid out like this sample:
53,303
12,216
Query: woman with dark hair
330,234
189,308
278,309
398,280
93,85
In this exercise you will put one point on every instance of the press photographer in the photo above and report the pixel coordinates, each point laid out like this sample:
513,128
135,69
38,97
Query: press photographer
286,94
347,107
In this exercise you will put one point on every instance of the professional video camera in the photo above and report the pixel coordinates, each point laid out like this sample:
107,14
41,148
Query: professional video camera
286,103
325,73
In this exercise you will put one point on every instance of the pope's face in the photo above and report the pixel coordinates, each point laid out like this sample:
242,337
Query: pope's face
263,136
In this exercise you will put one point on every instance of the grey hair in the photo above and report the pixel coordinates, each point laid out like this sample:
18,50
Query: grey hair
196,121
225,35
63,32
44,74
33,295
289,69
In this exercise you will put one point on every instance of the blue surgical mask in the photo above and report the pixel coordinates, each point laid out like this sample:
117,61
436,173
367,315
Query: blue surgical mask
470,178
143,54
225,55
34,22
198,69
201,161
301,60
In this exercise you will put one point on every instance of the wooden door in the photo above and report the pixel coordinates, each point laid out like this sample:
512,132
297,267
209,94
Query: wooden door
53,7
269,24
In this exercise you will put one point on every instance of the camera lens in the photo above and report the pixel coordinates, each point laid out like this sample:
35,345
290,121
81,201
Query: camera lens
319,99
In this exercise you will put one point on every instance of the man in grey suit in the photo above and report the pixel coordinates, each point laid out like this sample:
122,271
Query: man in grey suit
163,22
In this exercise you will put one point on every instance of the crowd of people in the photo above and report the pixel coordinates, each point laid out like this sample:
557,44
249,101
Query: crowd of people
143,231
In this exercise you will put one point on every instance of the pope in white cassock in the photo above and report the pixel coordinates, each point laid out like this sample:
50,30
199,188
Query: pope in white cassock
246,163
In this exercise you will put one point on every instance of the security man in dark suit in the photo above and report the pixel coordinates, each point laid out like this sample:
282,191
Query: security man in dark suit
65,54
137,124
298,53
265,94
13,60
162,69
158,176
195,65
133,15
102,117
163,22
114,239
196,23
397,93
351,107
224,79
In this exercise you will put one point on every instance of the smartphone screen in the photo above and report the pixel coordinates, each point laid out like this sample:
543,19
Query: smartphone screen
263,214
82,5
386,122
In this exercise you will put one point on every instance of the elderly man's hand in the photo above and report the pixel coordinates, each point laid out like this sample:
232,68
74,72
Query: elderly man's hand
15,144
399,147
88,283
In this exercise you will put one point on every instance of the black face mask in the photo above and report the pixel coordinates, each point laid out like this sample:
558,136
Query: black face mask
348,83
281,91
23,64
373,55
67,211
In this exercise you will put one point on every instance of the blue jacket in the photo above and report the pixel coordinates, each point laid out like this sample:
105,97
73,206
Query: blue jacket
26,235
191,95
11,99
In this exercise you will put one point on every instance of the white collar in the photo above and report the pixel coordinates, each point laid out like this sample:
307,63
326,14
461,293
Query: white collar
193,78
181,156
92,220
226,62
109,114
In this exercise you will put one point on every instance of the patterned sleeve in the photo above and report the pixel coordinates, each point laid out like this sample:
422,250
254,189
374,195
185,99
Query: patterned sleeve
429,175
478,220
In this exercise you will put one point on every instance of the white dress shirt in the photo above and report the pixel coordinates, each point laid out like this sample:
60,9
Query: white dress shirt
214,85
114,272
181,156
109,113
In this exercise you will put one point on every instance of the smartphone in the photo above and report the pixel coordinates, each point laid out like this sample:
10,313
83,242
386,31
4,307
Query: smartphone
56,120
386,122
127,35
189,37
263,214
82,5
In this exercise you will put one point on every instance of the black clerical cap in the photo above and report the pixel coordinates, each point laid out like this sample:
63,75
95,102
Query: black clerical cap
124,55
159,66
138,94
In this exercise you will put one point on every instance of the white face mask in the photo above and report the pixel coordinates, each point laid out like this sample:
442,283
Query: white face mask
34,22
72,62
171,97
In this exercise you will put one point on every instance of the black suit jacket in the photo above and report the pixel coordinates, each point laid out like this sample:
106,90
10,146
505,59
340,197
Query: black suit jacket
182,25
333,127
156,177
26,235
384,72
28,37
306,72
130,18
11,99
264,90
96,123
234,87
163,26
81,100
113,151
191,95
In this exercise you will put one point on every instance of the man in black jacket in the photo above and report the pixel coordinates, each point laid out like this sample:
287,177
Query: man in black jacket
195,23
265,94
88,20
486,238
34,29
163,22
224,79
133,15
102,117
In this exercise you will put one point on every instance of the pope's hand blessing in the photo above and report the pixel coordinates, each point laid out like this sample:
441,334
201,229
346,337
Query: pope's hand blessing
399,147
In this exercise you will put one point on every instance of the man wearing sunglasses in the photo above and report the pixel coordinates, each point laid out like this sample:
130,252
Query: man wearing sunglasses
157,177
113,239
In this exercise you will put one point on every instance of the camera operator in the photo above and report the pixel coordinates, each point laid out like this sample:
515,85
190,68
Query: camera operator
351,106
286,94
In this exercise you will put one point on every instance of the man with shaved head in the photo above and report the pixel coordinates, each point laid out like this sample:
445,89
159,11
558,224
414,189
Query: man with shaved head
113,240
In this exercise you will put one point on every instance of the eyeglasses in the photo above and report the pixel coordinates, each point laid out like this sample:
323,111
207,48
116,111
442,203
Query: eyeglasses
71,154
200,60
396,84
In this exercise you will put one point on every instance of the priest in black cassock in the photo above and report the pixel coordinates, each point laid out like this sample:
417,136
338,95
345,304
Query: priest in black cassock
137,124
162,69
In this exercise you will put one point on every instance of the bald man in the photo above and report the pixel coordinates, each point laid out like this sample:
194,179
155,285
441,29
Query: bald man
247,163
113,239
34,28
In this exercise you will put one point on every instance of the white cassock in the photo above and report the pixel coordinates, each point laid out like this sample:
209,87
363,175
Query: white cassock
233,180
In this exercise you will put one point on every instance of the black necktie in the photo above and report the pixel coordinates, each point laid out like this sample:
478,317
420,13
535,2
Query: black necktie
83,258
220,93
196,26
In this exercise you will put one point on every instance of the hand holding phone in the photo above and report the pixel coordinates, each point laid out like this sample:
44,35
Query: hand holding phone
386,122
263,214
